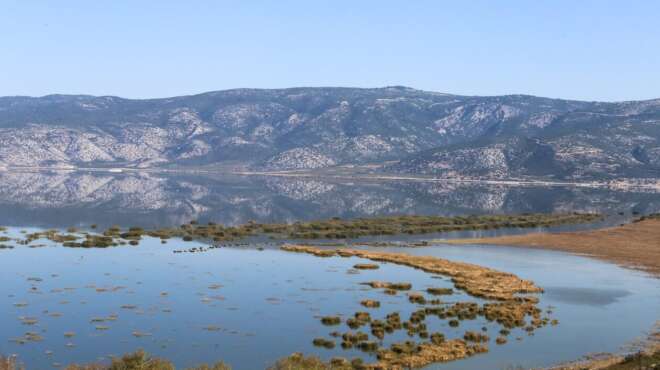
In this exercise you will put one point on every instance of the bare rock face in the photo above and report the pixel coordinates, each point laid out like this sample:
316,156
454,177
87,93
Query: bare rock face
309,128
299,158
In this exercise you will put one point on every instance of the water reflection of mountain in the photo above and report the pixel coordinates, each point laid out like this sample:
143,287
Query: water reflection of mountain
74,198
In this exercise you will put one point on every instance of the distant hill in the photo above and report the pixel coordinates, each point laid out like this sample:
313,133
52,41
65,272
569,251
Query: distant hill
412,131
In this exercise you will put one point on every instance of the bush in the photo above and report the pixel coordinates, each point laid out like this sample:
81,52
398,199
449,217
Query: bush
139,360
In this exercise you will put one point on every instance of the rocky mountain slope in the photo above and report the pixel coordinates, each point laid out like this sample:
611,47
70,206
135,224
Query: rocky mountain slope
306,128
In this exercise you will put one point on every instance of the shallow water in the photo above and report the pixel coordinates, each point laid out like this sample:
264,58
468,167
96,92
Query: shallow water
250,307
601,307
244,306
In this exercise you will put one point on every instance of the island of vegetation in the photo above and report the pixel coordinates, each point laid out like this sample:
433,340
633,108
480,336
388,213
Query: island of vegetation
334,228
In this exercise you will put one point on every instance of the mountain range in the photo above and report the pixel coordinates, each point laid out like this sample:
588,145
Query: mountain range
392,129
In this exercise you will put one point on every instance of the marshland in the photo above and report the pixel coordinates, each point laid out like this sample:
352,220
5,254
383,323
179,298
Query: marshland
297,287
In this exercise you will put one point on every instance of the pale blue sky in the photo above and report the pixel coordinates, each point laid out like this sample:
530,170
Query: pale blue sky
590,50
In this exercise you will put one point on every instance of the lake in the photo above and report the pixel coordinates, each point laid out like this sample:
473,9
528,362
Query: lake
250,305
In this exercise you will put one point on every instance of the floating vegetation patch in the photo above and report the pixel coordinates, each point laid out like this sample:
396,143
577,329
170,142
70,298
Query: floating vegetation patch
28,337
366,266
322,342
384,284
28,320
331,320
416,298
370,303
440,291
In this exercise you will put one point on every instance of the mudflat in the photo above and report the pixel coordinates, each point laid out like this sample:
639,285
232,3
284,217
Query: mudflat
635,245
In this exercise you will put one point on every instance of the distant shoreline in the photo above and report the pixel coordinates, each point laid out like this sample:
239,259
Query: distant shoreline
616,184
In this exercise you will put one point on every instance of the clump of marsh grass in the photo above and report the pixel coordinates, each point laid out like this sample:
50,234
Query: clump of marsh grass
394,320
417,298
28,320
370,303
10,363
387,285
139,360
298,361
406,348
472,336
359,319
325,343
368,346
440,291
437,338
351,339
366,266
331,320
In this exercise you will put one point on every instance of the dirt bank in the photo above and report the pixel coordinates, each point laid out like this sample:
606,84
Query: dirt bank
635,245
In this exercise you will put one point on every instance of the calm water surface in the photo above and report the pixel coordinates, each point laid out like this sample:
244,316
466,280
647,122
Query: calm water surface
250,307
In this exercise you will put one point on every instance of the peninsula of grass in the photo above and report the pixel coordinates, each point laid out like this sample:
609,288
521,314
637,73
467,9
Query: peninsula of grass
476,280
334,228
394,225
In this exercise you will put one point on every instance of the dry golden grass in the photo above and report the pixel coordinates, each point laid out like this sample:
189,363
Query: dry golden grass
9,363
476,280
298,361
635,245
141,360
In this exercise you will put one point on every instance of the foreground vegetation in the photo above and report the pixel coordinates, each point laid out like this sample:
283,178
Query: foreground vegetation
297,361
638,361
138,360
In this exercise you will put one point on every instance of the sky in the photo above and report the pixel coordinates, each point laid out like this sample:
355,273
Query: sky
588,50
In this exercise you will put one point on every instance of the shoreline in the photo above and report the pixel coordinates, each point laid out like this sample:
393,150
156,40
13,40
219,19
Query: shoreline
635,245
624,184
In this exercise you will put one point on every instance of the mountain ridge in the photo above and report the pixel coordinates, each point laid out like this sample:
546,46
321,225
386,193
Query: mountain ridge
302,128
